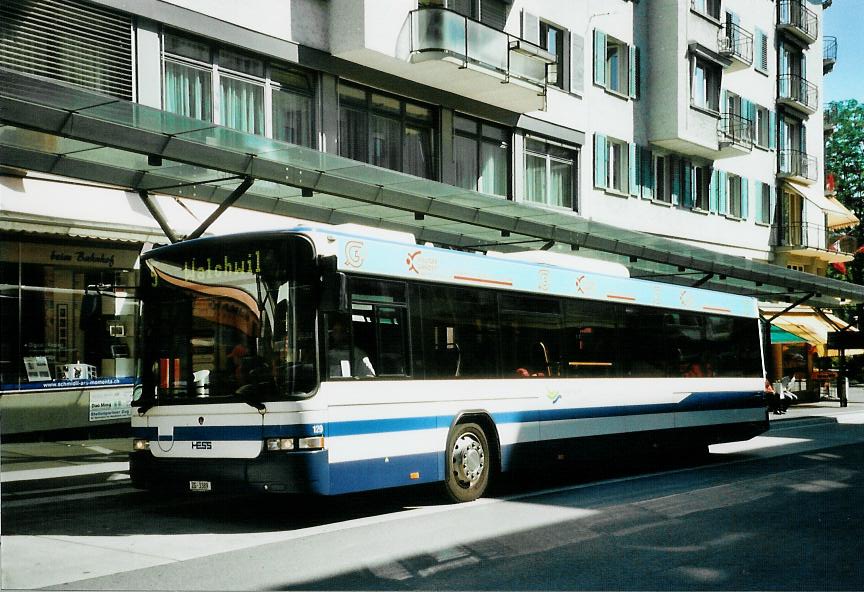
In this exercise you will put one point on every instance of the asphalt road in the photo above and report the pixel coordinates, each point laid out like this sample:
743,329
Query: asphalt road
782,512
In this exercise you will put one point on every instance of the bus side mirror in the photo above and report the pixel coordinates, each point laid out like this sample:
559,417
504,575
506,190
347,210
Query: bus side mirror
334,292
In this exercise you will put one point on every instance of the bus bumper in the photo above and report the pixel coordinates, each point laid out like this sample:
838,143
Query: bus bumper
280,472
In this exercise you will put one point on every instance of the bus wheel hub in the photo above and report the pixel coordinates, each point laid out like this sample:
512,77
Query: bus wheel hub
468,458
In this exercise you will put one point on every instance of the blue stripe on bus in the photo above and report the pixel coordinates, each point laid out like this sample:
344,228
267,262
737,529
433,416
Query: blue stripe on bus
705,401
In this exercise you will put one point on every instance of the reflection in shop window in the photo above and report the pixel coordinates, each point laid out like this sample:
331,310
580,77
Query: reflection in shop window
57,326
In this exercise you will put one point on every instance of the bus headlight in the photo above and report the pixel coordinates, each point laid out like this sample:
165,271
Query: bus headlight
275,444
140,444
313,443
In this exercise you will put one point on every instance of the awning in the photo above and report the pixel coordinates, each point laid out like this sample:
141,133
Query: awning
806,324
53,128
838,215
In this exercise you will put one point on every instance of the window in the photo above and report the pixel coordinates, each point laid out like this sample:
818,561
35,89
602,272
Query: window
550,174
75,42
663,179
591,341
552,40
531,328
735,191
481,155
617,170
707,7
763,127
763,205
245,84
386,131
702,186
489,12
706,85
616,65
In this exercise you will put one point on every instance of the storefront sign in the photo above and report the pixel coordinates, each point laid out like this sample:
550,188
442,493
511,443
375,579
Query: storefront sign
74,255
110,405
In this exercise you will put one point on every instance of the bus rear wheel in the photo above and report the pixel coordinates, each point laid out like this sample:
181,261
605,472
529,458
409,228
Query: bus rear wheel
468,463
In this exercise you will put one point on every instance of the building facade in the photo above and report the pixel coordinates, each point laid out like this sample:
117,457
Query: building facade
696,120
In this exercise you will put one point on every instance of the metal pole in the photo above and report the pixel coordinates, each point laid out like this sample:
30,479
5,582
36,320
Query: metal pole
158,216
841,380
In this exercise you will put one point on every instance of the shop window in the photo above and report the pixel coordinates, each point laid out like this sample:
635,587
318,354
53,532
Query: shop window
68,315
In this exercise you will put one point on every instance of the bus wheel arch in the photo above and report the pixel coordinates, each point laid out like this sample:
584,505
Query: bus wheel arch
471,456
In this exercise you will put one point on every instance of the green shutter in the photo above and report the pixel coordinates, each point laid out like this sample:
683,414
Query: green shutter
760,215
772,130
675,164
772,205
714,193
723,193
633,64
745,206
601,165
687,172
633,162
599,57
647,166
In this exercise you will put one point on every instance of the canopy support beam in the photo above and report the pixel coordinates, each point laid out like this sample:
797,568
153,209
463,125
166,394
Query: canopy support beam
798,302
227,203
157,214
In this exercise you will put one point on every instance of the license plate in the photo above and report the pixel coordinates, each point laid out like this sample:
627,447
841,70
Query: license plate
199,486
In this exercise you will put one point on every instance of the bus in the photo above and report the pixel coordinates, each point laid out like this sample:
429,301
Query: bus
342,359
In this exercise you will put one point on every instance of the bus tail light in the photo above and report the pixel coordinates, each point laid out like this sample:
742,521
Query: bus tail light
140,444
312,443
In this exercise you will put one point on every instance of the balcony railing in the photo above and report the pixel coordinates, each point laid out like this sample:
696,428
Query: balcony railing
735,42
797,164
813,236
794,16
472,42
829,53
798,92
733,129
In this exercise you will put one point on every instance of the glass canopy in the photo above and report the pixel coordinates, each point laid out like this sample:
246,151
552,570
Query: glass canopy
63,130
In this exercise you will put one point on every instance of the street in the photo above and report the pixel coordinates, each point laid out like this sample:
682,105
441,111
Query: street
780,512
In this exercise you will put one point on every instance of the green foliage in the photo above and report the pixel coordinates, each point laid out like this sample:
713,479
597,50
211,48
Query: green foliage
844,157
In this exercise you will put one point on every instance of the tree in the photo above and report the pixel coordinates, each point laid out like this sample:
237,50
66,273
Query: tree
844,158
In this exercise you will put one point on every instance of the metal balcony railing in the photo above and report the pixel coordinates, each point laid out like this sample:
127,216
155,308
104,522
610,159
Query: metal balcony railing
735,130
798,90
829,53
795,163
443,30
735,41
812,236
798,19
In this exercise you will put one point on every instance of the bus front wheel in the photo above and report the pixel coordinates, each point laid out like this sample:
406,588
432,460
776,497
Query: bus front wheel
468,463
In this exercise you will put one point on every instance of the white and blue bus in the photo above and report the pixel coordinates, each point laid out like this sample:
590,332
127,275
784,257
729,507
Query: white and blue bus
335,360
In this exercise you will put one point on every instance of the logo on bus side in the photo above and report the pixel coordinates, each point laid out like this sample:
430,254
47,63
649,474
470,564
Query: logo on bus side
202,445
420,263
354,254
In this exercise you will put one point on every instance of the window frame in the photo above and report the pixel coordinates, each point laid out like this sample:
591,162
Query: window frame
549,158
711,82
480,137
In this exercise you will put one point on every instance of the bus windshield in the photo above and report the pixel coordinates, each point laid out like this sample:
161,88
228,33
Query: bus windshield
223,319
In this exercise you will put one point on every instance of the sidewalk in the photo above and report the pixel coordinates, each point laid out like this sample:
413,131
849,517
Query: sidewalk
28,461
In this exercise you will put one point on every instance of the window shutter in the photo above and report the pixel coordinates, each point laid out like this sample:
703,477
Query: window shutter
687,173
633,162
772,130
601,165
493,13
762,56
70,41
745,206
577,63
714,193
599,57
772,204
530,28
675,165
633,64
723,192
647,165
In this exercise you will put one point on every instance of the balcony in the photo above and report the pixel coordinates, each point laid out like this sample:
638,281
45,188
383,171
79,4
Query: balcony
796,92
829,53
797,166
830,115
797,20
812,240
441,49
734,134
736,43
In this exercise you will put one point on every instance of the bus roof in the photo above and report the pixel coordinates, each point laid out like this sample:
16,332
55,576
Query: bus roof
397,255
